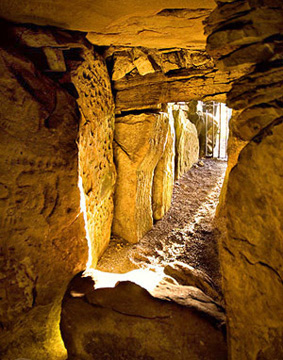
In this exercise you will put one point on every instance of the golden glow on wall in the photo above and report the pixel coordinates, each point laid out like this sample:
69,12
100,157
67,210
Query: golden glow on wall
83,210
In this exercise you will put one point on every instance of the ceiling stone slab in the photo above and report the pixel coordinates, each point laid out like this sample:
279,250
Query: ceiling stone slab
157,24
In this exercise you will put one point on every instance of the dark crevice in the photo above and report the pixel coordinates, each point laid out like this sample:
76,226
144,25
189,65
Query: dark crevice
122,148
138,112
267,131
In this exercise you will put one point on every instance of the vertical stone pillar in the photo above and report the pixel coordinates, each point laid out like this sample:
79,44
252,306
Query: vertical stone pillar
164,175
96,165
187,143
139,144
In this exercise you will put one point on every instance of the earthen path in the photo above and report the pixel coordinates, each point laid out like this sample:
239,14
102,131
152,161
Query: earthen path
185,233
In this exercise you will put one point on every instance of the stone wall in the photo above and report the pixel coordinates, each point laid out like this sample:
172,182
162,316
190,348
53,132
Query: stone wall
55,94
97,170
250,33
42,236
145,78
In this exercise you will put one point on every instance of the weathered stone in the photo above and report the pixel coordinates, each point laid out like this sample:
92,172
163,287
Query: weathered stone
172,321
167,28
164,175
247,28
261,86
138,145
251,255
123,64
143,65
253,119
37,37
97,169
187,143
42,229
251,239
145,92
55,59
168,76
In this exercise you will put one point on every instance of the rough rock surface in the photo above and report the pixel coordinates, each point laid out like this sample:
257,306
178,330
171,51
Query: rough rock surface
187,143
97,170
252,255
42,230
138,145
250,32
158,24
174,75
128,322
164,175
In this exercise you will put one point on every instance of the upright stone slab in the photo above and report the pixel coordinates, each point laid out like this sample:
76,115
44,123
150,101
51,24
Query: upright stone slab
97,169
42,238
138,145
164,175
187,143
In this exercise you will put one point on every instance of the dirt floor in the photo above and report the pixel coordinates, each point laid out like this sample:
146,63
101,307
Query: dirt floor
185,233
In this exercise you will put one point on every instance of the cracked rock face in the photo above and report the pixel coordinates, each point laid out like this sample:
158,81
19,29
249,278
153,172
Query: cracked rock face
128,322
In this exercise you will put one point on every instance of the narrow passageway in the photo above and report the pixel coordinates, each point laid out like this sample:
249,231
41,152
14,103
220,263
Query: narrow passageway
185,233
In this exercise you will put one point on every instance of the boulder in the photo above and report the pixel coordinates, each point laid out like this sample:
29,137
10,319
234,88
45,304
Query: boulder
187,275
129,322
251,255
